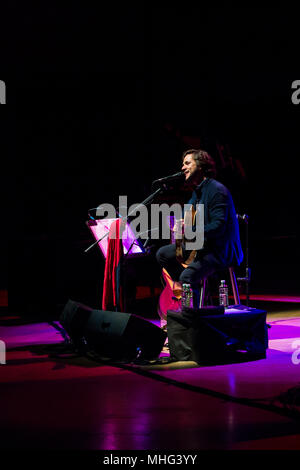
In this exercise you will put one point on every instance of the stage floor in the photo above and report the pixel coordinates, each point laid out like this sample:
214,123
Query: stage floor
51,401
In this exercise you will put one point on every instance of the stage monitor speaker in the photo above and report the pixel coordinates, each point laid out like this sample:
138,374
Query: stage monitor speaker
217,338
115,335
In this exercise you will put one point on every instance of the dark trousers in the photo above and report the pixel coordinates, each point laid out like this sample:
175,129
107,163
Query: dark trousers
203,266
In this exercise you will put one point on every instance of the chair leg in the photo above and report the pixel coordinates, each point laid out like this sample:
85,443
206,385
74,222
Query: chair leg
202,293
234,287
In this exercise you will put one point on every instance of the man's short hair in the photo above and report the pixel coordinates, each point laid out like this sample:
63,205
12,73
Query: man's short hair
203,161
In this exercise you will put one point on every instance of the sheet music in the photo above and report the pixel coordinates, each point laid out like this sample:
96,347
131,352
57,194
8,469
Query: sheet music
130,244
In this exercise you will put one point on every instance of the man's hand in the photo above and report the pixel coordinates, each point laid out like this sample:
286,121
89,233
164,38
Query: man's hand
178,228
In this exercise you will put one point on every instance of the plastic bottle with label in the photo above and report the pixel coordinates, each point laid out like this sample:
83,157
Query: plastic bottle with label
223,294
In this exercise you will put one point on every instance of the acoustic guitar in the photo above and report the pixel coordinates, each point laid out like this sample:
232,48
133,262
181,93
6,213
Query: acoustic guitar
170,298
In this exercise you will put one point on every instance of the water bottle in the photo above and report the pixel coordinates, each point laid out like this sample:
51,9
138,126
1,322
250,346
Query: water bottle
183,296
190,296
187,296
223,294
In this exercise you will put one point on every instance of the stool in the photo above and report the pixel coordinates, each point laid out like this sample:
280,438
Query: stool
234,287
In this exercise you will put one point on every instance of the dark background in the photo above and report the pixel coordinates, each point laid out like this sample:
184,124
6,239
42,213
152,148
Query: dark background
100,102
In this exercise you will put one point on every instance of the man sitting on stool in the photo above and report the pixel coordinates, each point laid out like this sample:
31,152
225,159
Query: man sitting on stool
222,245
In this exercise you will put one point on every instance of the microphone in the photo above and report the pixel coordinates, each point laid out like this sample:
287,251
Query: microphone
169,178
242,217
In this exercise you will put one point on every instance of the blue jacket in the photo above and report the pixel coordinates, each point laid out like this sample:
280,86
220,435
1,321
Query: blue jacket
221,228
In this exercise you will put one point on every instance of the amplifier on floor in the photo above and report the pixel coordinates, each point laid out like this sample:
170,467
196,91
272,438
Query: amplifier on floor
115,335
217,338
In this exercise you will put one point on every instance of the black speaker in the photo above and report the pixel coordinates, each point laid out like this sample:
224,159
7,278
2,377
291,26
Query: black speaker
217,338
115,335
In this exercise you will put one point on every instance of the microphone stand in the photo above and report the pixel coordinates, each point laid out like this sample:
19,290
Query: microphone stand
147,201
96,242
163,186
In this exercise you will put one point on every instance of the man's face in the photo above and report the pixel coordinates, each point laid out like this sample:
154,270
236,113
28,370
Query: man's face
189,167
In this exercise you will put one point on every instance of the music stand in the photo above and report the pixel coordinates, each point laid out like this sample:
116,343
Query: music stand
132,246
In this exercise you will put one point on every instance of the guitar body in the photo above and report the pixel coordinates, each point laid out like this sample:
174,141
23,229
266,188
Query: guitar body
170,298
189,220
